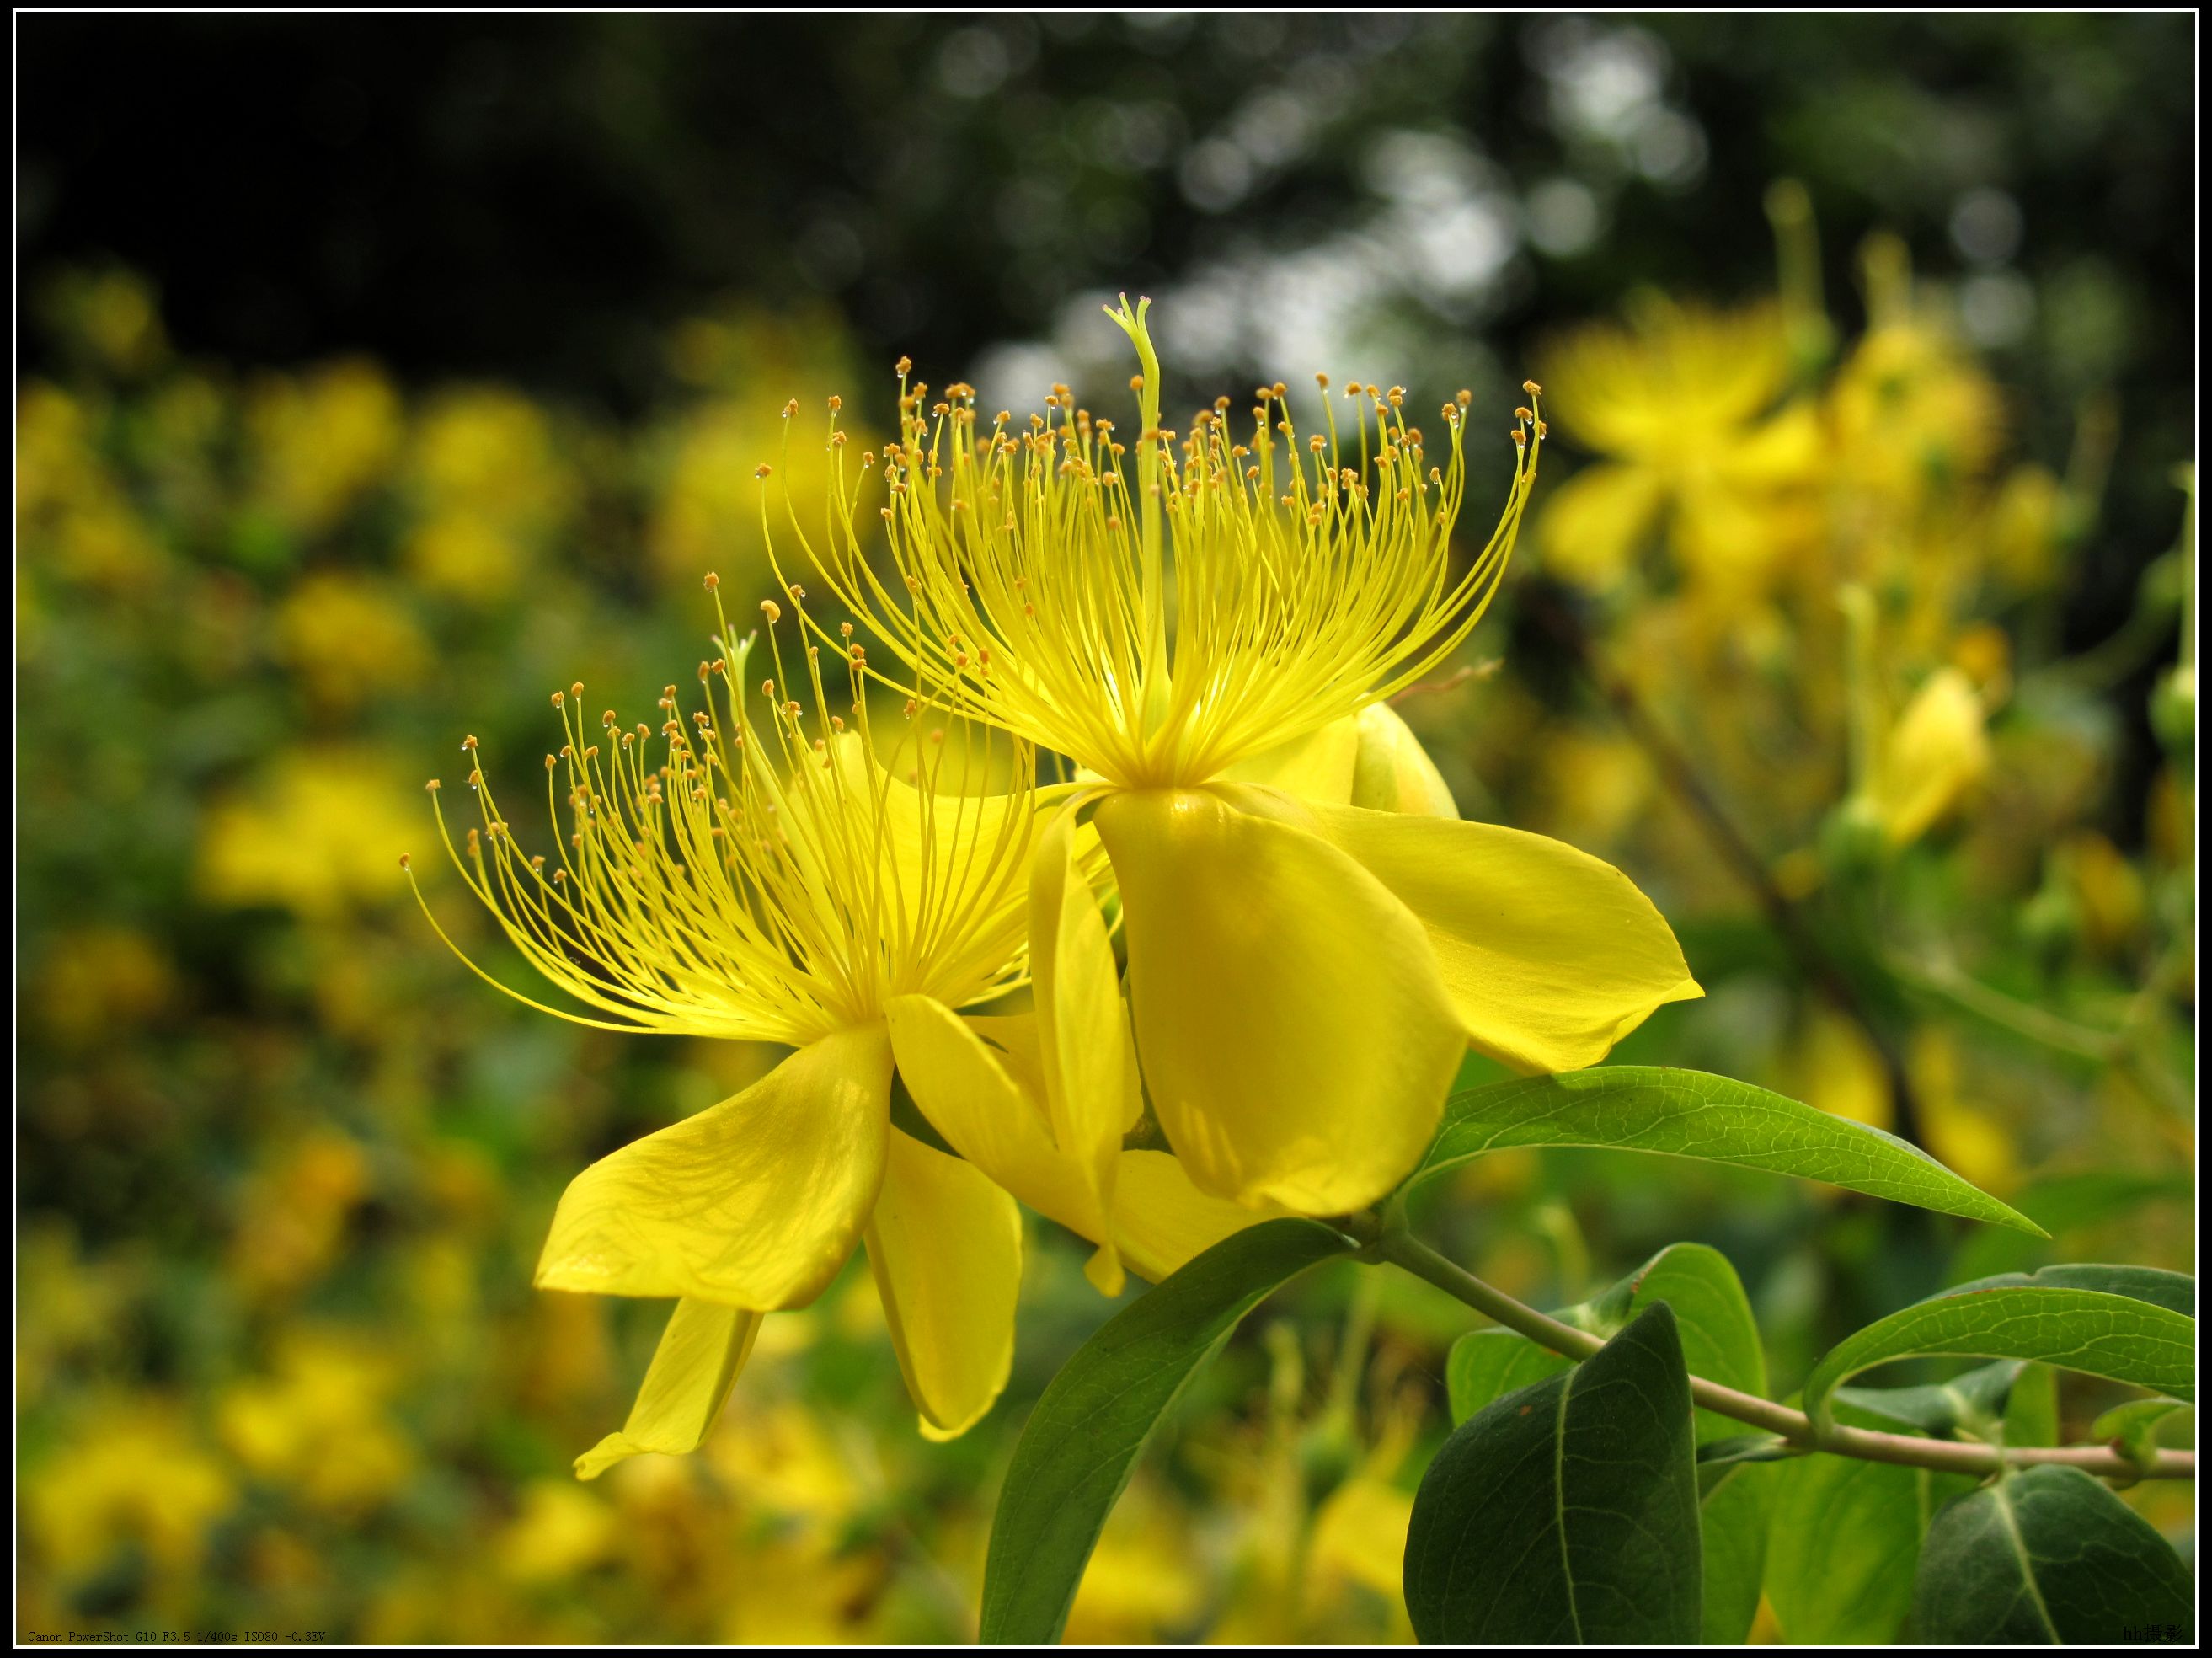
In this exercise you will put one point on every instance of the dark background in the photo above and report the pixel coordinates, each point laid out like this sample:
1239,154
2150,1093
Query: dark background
537,199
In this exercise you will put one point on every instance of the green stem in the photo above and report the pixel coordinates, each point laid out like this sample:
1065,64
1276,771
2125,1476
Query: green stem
1401,1248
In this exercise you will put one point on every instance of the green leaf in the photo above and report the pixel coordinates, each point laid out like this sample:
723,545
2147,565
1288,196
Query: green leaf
2175,1291
1717,1458
1712,1315
2049,1556
1732,1524
2037,1318
1720,1337
2132,1429
1939,1408
1690,1113
1083,1439
1567,1511
1487,1364
2031,1413
1842,1538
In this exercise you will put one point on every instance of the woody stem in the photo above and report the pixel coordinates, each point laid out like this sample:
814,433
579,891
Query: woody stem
1950,1456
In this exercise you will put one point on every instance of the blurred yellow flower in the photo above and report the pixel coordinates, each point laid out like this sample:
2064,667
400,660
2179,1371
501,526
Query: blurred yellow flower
1914,417
321,439
348,637
74,516
562,1528
790,1462
2024,522
2113,898
292,1213
319,1424
1142,1584
490,488
319,833
1937,752
1962,1132
131,1471
1305,975
1836,1067
1681,405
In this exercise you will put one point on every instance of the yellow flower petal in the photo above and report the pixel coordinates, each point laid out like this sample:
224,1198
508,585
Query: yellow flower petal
755,1202
946,1245
1938,750
1369,759
1592,526
970,1087
1161,1221
1290,1018
1318,766
1394,772
1091,1093
981,1098
1550,956
701,1353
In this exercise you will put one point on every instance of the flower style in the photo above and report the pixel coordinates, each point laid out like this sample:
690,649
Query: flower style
754,878
1306,975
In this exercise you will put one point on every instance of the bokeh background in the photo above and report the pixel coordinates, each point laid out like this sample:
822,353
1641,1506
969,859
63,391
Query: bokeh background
376,376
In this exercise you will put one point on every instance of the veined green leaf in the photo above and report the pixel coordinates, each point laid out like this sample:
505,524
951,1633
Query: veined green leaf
1485,1365
2031,1413
1083,1439
1720,1337
1732,1524
2039,1319
2175,1291
1842,1539
1692,1114
1720,1342
2049,1556
1567,1511
1717,1457
1938,1408
2135,1425
1712,1316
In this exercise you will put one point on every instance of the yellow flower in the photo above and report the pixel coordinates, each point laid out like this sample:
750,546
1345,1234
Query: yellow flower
321,1424
1937,753
1306,975
489,488
322,440
560,1532
346,636
1681,405
134,1471
1913,417
744,874
315,836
